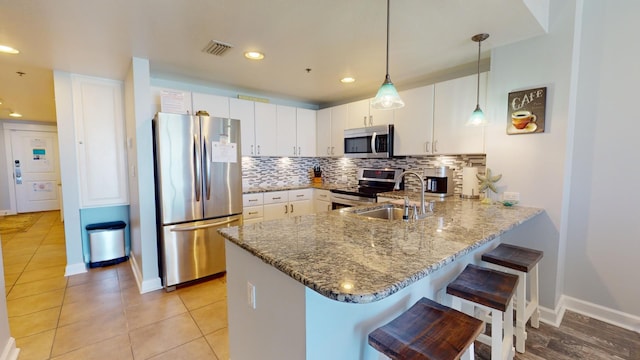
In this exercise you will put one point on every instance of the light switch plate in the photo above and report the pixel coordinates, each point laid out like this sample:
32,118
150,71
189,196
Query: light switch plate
251,295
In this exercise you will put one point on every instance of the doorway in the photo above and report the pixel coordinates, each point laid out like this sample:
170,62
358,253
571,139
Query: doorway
32,167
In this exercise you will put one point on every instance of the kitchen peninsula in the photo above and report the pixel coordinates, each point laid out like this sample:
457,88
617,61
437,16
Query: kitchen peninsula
313,287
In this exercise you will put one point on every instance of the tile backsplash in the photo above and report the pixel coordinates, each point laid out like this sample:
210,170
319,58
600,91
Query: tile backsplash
285,171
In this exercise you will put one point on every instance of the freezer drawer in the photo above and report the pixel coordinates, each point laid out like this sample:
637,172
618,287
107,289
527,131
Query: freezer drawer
193,250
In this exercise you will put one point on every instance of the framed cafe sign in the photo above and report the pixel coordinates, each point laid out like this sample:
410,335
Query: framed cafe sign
526,111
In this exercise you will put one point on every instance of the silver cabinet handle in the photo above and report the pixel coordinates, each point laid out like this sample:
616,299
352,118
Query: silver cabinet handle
291,208
286,209
252,150
276,198
364,120
258,149
252,213
299,151
435,146
328,150
370,120
294,150
332,150
427,147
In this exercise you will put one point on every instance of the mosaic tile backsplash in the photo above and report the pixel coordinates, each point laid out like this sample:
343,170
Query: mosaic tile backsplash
258,172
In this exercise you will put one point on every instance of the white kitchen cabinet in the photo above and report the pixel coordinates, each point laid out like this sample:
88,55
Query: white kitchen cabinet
243,110
252,199
323,132
338,124
265,129
306,132
252,214
361,114
454,101
100,141
321,200
413,123
216,106
282,204
286,126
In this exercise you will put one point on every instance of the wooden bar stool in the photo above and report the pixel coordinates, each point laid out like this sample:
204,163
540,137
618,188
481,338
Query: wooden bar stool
520,261
491,291
428,330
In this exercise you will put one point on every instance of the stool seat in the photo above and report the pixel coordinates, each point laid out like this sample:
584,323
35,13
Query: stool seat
513,257
428,330
487,287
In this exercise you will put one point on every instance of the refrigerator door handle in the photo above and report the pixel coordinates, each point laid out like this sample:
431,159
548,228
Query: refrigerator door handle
191,228
197,166
207,169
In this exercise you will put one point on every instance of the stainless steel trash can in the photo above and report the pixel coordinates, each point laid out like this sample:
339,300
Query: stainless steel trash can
106,243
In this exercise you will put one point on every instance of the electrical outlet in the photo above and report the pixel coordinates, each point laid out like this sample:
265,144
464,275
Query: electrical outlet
511,196
251,295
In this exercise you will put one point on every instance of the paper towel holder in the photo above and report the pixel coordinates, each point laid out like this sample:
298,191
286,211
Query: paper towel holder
470,186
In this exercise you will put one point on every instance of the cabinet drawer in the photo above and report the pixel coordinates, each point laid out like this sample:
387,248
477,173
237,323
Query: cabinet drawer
322,195
252,199
275,197
252,212
301,194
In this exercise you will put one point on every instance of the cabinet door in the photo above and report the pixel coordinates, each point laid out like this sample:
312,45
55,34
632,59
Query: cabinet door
298,208
266,129
358,114
100,135
323,132
286,137
276,211
338,124
322,206
413,129
382,117
216,106
243,111
454,102
306,132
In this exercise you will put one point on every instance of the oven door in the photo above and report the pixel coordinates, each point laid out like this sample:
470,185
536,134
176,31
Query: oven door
339,201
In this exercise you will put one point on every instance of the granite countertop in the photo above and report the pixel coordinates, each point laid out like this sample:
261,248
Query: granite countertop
322,186
355,259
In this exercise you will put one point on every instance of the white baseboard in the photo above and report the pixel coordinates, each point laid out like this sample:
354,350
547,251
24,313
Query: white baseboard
598,312
10,351
74,269
7,212
144,286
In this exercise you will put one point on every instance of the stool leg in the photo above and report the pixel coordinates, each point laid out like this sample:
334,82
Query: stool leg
521,314
508,333
535,317
469,354
496,335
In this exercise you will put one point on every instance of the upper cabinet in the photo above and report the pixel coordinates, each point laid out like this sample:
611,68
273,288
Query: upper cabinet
100,141
266,120
306,132
433,119
413,128
286,131
361,114
216,106
454,102
243,110
330,127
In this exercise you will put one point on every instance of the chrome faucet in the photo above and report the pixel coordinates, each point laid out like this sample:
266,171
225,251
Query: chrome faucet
423,206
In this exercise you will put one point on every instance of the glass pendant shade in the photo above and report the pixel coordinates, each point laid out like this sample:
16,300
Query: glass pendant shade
387,97
477,118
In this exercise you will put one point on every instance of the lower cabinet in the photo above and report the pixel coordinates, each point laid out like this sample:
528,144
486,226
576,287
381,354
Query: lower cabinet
321,200
282,204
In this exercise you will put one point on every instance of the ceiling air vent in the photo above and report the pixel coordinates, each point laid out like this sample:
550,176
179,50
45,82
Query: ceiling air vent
215,47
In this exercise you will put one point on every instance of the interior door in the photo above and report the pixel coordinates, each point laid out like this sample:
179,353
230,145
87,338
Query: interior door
35,170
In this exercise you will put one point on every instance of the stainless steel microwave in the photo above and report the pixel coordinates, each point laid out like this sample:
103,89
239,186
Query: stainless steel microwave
369,142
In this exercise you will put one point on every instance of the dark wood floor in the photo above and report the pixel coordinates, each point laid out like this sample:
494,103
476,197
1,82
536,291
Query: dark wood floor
578,337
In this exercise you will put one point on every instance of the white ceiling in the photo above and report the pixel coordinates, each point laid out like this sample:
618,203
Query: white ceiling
334,38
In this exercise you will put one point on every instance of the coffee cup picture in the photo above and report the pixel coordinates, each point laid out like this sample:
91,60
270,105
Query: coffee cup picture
520,119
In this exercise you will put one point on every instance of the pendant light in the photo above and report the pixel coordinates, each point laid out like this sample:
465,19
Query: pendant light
387,97
477,118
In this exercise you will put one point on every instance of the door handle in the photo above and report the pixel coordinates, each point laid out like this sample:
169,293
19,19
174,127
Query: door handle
196,166
373,143
206,226
207,168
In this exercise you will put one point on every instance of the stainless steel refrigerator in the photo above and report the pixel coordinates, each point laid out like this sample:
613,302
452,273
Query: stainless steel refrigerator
198,191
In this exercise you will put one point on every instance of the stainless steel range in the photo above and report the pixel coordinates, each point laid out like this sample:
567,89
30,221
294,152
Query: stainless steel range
370,183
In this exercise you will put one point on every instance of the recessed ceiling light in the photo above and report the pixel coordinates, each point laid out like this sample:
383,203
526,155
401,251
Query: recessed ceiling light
254,55
347,80
15,114
8,49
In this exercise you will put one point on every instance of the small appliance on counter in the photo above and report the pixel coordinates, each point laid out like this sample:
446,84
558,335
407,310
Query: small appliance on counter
439,181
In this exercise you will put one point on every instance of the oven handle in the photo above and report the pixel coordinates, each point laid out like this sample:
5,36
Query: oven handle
373,143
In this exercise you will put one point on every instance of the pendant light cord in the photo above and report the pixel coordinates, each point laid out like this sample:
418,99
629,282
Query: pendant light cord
388,7
478,82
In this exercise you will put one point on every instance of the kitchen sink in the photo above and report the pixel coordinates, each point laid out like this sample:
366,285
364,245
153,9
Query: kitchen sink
386,212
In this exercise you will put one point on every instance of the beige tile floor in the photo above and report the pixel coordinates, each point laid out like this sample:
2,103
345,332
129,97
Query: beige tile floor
100,314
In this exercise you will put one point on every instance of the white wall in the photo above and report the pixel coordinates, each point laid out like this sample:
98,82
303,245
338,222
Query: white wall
8,348
5,200
603,245
534,164
69,172
141,175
